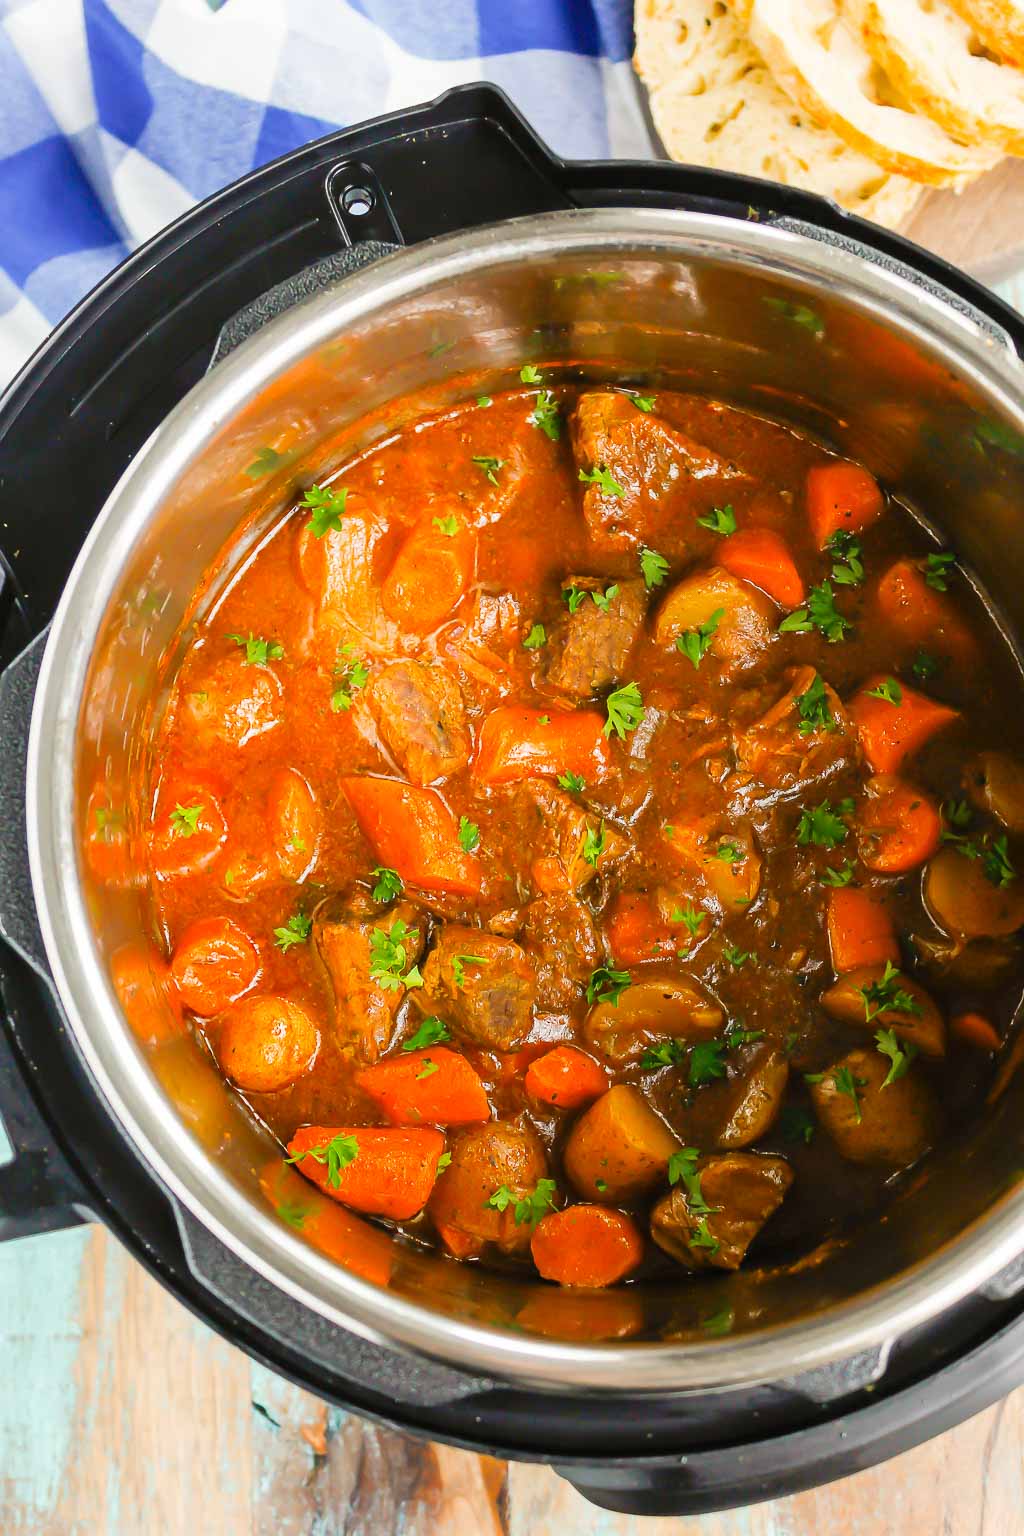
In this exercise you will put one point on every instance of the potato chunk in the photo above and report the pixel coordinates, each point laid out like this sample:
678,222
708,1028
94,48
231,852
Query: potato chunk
618,1149
963,900
751,1101
745,627
921,1024
995,782
893,1125
648,1010
724,855
266,1043
742,1190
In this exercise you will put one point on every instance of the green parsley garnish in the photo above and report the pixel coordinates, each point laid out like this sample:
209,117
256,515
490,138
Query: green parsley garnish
350,676
995,861
729,852
607,985
293,1213
688,915
433,1031
800,314
327,508
643,403
667,1053
389,883
603,600
849,568
336,1153
529,373
735,956
838,877
428,1068
796,1124
601,476
706,1062
820,613
924,666
267,462
937,570
489,465
444,1161
625,709
573,596
537,637
449,526
295,931
846,1083
594,844
889,690
257,650
717,1324
886,996
695,643
683,1165
459,963
389,956
572,782
900,1054
957,813
721,520
736,1035
653,568
815,712
600,1185
530,1208
545,415
483,401
469,834
824,826
704,1238
185,820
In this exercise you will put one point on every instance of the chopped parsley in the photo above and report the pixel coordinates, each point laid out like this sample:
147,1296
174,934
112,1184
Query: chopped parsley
603,600
695,643
488,465
530,1208
736,1035
267,462
957,813
820,613
602,477
703,1238
573,596
667,1053
689,916
682,1165
572,782
295,931
469,834
294,1213
390,949
337,1153
889,690
996,862
900,1053
736,956
813,706
449,526
389,883
717,1324
653,568
729,852
796,1124
887,996
594,844
350,676
643,403
848,1084
484,401
428,1068
529,373
800,314
823,826
459,963
444,1161
937,570
838,877
257,650
607,985
721,520
924,666
327,508
433,1031
537,637
625,709
848,571
706,1062
185,820
545,415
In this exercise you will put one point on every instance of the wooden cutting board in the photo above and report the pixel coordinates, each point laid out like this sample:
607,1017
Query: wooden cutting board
980,229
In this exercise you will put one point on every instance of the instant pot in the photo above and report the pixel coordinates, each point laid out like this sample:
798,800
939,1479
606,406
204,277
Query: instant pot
373,277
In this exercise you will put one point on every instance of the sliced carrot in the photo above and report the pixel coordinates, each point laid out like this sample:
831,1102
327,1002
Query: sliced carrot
413,831
890,732
214,962
586,1245
430,1087
431,573
899,826
860,930
188,828
920,616
976,1030
461,1245
566,1078
351,1242
762,557
636,932
296,823
528,743
142,981
391,1174
841,498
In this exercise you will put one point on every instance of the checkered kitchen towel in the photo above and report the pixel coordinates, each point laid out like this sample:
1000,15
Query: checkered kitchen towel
117,115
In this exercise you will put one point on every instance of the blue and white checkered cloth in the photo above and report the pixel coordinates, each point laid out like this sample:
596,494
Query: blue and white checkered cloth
117,115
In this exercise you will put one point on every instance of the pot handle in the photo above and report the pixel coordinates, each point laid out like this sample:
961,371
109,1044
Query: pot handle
39,1191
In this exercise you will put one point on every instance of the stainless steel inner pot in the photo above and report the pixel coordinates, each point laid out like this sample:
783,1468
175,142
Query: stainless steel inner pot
825,336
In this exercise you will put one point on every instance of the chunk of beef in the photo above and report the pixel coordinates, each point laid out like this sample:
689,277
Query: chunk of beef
742,1190
421,719
483,984
559,832
561,932
589,648
501,1155
872,1123
364,1011
799,737
652,464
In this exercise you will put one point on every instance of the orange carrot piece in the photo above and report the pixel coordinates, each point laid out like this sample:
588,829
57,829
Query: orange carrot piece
976,1030
142,981
566,1078
214,962
429,1087
899,827
528,743
890,732
860,930
636,932
586,1245
431,574
841,498
351,1242
413,831
296,823
762,557
188,828
392,1173
920,616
